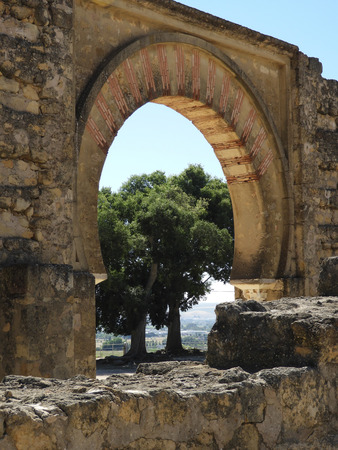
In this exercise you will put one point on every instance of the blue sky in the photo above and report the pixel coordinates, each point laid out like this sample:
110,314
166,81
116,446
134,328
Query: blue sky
157,138
312,25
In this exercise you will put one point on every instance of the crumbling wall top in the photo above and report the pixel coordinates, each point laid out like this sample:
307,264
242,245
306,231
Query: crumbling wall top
202,19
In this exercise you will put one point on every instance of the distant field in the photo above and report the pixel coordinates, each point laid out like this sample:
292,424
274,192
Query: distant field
104,353
193,332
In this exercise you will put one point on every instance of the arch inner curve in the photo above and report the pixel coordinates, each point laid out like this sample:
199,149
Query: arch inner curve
196,80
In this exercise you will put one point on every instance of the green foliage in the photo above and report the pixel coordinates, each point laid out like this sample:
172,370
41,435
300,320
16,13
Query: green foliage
142,183
174,224
194,181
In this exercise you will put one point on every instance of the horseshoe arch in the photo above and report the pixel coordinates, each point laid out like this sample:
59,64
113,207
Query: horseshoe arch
200,82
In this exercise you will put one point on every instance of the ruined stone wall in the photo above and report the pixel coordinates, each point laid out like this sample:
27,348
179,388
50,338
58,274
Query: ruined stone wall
40,316
47,309
249,397
172,406
286,332
315,167
44,71
36,132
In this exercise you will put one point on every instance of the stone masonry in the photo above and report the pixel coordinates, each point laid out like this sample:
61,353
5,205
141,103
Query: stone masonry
271,383
71,72
287,332
172,406
38,284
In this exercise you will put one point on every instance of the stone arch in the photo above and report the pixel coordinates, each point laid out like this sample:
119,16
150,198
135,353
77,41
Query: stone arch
204,85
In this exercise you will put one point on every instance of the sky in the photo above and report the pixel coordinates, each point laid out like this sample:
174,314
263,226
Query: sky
312,25
157,138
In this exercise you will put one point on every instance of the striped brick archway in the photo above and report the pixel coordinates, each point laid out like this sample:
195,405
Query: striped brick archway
198,81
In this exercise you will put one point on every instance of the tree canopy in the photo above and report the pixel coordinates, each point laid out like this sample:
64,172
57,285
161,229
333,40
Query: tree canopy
163,240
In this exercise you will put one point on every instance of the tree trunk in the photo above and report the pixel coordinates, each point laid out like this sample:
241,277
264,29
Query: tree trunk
138,341
138,336
174,341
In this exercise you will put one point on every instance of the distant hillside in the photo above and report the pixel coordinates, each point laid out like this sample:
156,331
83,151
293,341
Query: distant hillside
202,311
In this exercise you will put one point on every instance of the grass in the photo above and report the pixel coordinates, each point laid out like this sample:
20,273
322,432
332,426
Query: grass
104,353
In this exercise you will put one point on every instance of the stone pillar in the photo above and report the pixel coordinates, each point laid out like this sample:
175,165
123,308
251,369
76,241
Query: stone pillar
47,316
84,324
47,325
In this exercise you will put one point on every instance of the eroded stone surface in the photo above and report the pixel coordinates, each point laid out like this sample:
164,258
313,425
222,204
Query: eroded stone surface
48,321
328,277
171,405
285,332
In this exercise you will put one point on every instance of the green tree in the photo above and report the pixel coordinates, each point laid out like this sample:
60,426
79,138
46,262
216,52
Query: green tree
194,181
122,300
186,279
161,249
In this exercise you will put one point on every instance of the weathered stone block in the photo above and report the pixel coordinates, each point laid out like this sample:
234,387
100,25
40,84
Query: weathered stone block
286,332
37,326
21,12
9,85
22,30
